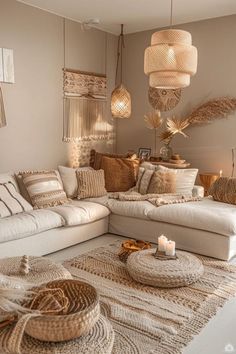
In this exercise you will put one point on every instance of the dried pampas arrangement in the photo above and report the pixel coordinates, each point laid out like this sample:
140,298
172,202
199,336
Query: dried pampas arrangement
214,109
204,114
153,121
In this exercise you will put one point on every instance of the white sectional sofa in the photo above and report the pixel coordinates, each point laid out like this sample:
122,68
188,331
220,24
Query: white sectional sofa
206,227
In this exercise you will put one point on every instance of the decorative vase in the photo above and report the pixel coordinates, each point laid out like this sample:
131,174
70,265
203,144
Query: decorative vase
166,152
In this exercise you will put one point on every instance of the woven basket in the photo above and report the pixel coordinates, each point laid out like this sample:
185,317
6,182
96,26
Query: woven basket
130,246
81,315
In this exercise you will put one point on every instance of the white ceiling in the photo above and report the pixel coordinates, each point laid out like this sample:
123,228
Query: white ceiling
137,15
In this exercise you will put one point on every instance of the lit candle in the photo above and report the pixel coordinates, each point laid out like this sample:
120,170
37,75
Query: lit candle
162,241
221,173
170,248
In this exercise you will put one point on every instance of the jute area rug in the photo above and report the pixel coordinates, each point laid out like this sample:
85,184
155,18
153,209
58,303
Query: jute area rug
147,319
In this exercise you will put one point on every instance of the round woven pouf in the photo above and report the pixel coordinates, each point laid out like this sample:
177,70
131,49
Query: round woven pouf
42,269
99,340
146,269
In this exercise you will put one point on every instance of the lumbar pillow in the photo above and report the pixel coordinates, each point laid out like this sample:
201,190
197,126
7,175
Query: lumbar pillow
91,184
44,188
224,190
11,202
69,179
155,182
120,173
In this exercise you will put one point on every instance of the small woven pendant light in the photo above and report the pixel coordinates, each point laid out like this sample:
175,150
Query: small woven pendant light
120,97
171,59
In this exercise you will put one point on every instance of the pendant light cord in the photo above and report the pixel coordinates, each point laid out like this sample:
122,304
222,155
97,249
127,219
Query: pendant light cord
171,13
120,46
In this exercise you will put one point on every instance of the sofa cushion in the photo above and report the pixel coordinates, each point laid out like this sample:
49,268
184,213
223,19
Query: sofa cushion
120,173
81,212
27,224
91,184
44,188
185,178
224,190
206,215
11,202
9,177
133,209
69,179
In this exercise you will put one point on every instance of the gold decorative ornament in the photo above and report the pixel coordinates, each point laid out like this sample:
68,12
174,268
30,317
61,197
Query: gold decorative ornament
120,97
163,99
171,59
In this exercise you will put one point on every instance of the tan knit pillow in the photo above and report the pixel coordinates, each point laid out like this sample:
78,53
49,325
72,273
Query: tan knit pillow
162,182
120,173
224,190
91,184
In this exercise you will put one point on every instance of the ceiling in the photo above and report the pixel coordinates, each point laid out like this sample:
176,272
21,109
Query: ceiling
137,15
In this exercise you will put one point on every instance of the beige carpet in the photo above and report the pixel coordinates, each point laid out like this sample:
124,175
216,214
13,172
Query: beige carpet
151,320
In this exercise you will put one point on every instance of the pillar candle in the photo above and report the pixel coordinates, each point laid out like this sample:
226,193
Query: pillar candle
162,241
170,248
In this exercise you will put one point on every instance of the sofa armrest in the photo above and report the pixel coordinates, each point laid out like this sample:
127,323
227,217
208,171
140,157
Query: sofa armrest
198,191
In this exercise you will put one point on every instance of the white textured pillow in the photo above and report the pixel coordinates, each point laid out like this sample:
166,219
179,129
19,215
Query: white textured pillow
11,202
69,179
185,178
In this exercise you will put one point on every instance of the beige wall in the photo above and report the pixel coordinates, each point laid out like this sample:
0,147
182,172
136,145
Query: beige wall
32,138
209,147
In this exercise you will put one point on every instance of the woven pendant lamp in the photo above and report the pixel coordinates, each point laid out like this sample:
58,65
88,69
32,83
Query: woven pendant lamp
120,97
171,59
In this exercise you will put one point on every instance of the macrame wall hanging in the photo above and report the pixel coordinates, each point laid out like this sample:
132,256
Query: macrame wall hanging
87,124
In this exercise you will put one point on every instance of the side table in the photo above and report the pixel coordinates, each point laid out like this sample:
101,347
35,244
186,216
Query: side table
207,179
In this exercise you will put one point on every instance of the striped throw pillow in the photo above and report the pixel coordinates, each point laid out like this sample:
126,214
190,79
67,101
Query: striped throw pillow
11,202
91,184
44,189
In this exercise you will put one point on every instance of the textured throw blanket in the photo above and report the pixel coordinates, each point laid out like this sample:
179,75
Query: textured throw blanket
155,199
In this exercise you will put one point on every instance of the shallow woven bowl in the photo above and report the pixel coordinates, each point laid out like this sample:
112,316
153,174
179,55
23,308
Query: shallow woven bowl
130,246
82,314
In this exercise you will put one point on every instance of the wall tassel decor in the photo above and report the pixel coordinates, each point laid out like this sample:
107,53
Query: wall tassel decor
120,97
2,111
171,59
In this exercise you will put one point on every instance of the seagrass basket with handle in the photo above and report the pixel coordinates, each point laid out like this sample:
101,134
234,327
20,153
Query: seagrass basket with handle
75,320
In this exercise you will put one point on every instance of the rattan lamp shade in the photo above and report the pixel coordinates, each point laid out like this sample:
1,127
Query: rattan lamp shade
171,59
120,102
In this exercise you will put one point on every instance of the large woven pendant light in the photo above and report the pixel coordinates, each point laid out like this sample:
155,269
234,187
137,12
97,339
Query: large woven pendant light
120,97
171,59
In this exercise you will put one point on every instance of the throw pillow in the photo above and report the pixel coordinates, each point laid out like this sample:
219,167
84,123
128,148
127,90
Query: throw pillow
11,202
155,182
120,173
185,178
162,182
69,179
44,188
224,190
91,184
96,158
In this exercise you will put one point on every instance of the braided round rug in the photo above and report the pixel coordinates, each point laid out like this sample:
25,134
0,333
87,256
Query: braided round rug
99,340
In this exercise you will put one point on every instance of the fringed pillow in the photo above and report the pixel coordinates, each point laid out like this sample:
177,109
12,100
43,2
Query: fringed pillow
224,190
44,188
